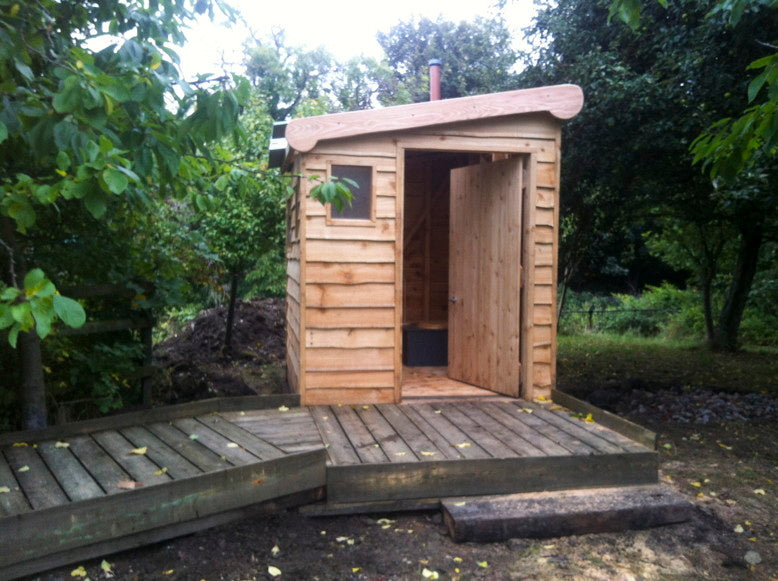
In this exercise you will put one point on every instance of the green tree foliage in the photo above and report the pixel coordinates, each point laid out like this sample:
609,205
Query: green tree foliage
477,58
94,114
650,92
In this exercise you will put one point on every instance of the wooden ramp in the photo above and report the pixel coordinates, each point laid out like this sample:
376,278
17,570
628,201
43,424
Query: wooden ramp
98,487
68,492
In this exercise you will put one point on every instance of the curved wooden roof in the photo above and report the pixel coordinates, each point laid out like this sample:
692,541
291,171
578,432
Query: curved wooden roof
561,101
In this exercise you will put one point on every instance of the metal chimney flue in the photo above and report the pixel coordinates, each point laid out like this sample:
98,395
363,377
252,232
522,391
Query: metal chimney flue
435,67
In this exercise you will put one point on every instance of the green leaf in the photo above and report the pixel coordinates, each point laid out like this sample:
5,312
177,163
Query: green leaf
13,334
22,314
70,311
10,294
3,132
43,312
63,160
116,181
6,318
32,279
94,201
756,85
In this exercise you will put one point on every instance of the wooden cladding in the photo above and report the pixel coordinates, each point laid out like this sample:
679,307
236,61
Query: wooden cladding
352,283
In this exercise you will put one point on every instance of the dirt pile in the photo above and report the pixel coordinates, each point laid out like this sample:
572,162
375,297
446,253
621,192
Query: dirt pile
194,365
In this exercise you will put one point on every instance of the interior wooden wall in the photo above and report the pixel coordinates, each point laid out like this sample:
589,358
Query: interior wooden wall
425,234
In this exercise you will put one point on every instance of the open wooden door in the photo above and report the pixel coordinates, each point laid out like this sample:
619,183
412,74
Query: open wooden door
485,275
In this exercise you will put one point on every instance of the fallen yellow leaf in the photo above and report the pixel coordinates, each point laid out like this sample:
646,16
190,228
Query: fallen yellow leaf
79,572
427,574
168,572
527,410
428,453
725,446
138,451
24,468
4,490
463,503
282,408
555,408
759,491
273,571
193,436
161,471
739,529
696,484
62,445
19,445
275,551
457,559
365,407
549,546
483,564
399,453
106,566
541,398
438,411
384,521
355,569
589,419
233,445
462,445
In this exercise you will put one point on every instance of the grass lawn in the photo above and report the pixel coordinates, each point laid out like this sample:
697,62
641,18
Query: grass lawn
586,362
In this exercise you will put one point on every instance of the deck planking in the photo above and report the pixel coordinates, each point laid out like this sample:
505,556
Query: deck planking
196,467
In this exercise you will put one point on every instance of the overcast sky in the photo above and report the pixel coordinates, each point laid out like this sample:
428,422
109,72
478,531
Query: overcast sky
346,28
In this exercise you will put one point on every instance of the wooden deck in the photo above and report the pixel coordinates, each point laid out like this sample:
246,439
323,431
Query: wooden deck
91,488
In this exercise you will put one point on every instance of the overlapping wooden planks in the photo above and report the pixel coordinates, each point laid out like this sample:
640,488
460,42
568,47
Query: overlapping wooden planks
348,297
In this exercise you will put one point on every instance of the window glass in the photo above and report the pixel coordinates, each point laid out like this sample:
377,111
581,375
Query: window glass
362,204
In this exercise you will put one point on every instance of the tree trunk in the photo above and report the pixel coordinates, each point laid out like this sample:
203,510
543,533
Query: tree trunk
725,338
33,394
234,280
707,305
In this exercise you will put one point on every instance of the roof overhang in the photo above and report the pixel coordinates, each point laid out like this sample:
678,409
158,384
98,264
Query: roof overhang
561,101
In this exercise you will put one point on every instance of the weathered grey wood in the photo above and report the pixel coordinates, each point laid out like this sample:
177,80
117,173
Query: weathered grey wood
141,468
99,464
390,441
475,433
450,432
13,501
514,422
379,507
435,437
77,483
147,509
577,429
570,512
607,434
339,448
215,442
553,433
626,428
379,482
190,449
247,440
133,541
363,441
38,484
511,439
160,453
409,431
166,413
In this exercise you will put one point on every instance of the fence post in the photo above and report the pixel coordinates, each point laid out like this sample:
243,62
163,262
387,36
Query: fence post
590,326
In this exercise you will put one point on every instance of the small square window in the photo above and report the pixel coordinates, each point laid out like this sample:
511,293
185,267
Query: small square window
361,207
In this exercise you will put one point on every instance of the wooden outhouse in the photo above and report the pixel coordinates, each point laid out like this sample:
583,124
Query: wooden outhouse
453,230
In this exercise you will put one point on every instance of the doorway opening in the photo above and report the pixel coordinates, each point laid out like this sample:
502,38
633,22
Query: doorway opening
430,258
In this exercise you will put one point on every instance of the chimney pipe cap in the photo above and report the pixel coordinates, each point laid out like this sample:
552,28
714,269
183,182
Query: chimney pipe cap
435,63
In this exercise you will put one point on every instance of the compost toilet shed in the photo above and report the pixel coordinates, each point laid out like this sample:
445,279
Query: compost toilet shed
450,245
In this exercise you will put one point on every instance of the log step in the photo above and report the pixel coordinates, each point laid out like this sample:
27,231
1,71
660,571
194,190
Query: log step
556,514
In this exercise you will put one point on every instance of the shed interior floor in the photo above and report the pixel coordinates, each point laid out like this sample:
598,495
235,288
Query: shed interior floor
424,383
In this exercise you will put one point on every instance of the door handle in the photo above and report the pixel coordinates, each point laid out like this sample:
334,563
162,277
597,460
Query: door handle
453,300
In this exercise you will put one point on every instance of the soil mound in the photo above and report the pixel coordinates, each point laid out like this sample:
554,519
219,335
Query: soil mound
194,365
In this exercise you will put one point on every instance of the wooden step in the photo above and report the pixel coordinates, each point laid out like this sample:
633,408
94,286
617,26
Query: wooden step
556,514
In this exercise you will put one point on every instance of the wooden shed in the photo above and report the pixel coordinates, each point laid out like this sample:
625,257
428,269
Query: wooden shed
451,241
